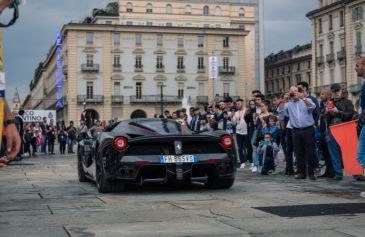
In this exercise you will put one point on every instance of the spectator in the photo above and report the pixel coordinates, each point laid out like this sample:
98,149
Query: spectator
20,127
62,139
251,129
51,132
268,149
167,114
239,120
174,115
256,93
272,128
182,119
219,115
28,140
96,130
71,132
43,126
301,119
305,87
195,121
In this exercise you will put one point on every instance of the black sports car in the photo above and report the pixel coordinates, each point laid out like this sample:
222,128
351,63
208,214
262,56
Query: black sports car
156,151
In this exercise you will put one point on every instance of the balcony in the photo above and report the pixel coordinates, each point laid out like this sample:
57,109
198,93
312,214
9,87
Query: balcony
227,70
90,67
138,68
117,68
201,69
320,60
117,99
202,99
234,98
160,68
155,99
358,49
97,99
341,55
355,89
330,58
181,69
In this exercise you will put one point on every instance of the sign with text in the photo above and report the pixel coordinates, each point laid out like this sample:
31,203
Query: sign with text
213,67
38,115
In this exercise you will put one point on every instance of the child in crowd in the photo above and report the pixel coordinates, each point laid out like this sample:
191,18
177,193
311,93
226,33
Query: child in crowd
272,128
268,149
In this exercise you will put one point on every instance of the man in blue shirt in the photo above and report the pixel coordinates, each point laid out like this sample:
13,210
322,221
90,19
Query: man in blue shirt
299,110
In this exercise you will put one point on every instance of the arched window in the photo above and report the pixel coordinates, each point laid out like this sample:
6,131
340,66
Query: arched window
129,7
168,9
218,11
188,9
206,11
149,8
241,12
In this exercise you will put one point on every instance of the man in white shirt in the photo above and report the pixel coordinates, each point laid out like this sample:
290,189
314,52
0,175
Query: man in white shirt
238,120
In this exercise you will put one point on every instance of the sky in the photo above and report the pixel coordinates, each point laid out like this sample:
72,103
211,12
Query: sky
27,42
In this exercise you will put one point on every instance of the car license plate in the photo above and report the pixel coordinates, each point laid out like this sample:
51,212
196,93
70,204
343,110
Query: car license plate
178,159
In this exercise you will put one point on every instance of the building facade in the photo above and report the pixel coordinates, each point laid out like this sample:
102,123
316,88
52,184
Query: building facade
288,68
118,64
337,36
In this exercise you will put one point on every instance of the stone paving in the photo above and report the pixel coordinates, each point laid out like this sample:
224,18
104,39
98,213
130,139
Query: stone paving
42,197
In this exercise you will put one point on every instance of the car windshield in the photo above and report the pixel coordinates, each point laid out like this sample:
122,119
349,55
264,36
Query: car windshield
162,126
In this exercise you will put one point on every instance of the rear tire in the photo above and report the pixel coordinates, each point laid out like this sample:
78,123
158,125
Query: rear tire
80,169
219,183
103,184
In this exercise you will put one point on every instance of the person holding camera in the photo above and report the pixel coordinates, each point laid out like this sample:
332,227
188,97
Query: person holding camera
339,109
299,109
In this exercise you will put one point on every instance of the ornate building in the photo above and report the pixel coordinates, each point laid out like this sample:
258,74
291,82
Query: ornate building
16,100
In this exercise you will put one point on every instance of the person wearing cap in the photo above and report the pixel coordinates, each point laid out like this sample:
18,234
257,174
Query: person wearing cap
338,110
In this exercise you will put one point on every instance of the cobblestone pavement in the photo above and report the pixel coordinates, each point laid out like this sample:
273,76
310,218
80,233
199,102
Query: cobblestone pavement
42,197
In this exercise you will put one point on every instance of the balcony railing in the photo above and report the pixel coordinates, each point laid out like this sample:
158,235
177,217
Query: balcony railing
355,88
202,99
160,68
138,68
358,49
90,67
330,57
227,70
320,60
201,69
99,99
234,98
117,99
155,99
117,68
180,69
341,55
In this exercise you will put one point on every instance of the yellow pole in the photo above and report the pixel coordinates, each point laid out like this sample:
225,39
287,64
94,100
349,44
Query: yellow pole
2,89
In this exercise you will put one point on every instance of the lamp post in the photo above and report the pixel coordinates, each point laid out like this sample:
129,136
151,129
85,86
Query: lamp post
161,101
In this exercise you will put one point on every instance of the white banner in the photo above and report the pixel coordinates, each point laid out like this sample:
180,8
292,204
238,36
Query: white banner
38,115
213,67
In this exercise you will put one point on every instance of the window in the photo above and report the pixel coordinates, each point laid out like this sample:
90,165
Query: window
149,23
342,43
89,37
201,63
272,85
278,84
117,88
89,90
330,22
89,60
180,62
200,41
180,41
108,22
298,67
309,78
116,61
129,23
299,78
321,50
168,24
188,10
168,9
138,90
357,13
241,12
283,70
289,69
138,62
241,26
129,7
320,29
159,64
205,10
225,62
180,91
343,74
149,8
289,80
321,79
309,65
201,89
332,75
116,39
283,81
332,47
138,39
358,38
342,20
226,89
225,42
218,11
159,40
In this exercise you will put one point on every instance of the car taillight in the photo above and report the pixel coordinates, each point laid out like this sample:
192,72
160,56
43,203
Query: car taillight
227,141
120,143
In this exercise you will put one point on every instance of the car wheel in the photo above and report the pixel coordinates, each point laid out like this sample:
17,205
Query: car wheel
80,169
103,184
219,183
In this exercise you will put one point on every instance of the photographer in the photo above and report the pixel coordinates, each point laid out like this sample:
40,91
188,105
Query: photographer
299,110
338,110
